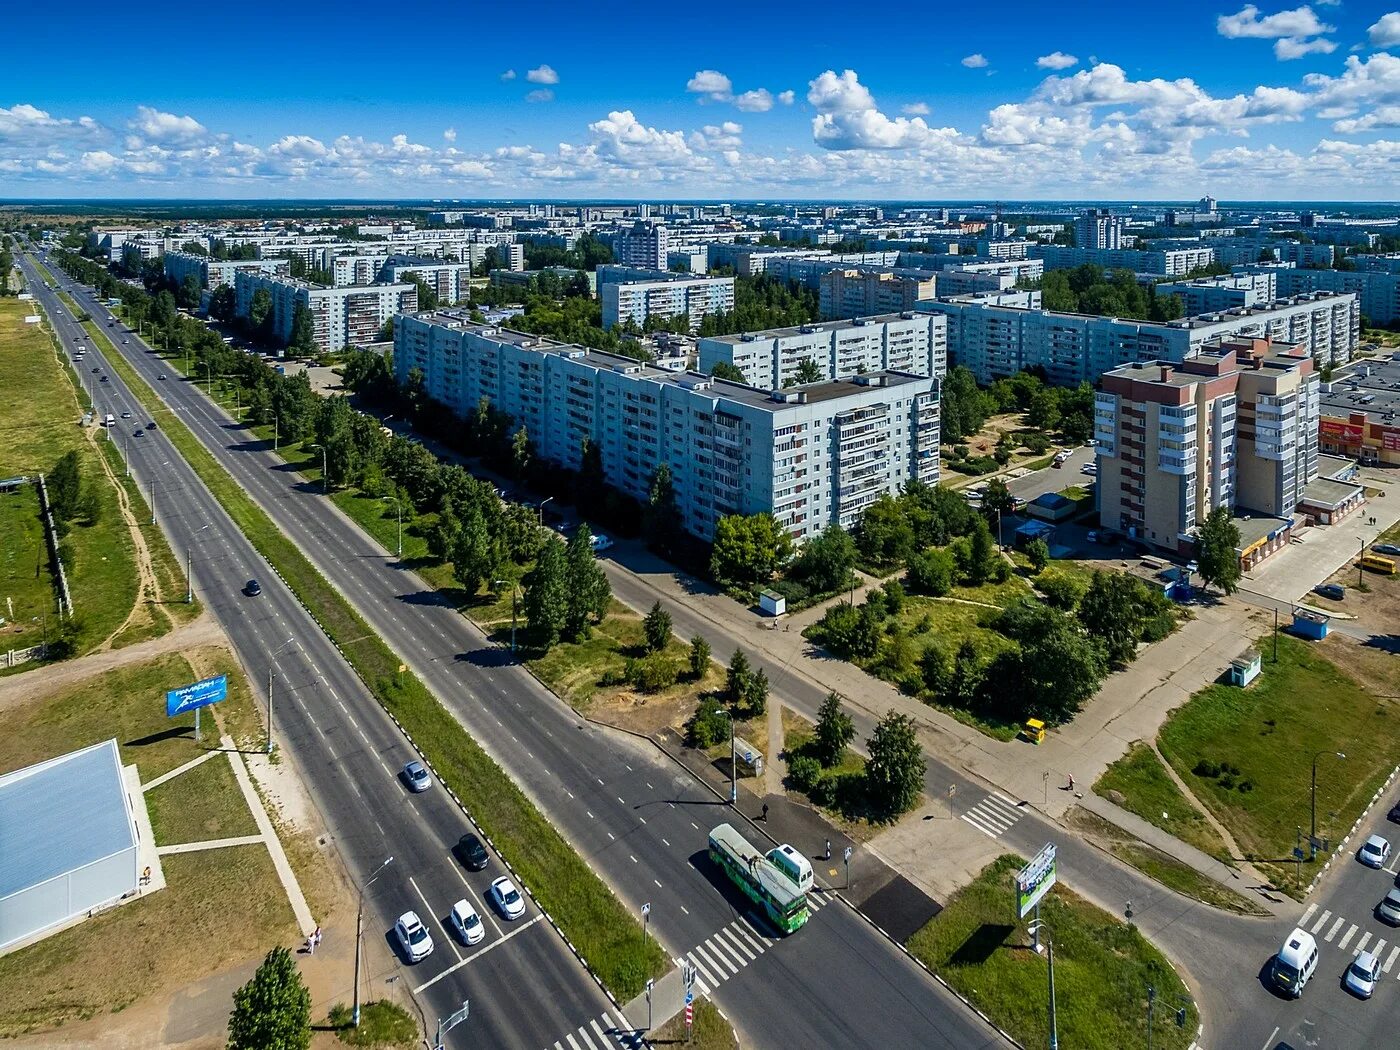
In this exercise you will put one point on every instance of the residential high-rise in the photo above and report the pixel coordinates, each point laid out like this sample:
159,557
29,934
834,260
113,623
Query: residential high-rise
1098,229
644,245
637,295
340,317
810,455
854,293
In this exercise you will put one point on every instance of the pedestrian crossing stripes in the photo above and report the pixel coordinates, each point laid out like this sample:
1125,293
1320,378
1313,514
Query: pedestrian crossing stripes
1326,927
993,815
607,1032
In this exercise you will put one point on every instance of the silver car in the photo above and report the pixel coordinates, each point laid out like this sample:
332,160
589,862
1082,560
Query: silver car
416,776
1362,975
1374,852
1388,910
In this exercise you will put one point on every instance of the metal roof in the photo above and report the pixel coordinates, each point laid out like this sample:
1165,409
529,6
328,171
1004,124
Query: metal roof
60,815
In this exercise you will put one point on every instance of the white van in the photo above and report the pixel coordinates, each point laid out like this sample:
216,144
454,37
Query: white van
109,420
1295,963
792,864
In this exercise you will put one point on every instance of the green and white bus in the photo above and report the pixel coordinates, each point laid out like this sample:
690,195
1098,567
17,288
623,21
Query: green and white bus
782,901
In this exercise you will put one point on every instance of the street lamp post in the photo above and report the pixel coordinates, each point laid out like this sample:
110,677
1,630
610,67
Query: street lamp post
325,469
153,493
514,594
189,564
541,508
270,676
1312,837
733,765
1036,927
359,926
398,508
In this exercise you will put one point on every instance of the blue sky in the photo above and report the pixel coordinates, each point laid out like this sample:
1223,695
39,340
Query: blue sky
1017,100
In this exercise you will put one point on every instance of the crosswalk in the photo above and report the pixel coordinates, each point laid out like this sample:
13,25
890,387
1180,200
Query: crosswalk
1327,927
609,1031
993,815
716,959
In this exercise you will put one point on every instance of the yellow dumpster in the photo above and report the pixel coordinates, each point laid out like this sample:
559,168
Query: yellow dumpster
1034,731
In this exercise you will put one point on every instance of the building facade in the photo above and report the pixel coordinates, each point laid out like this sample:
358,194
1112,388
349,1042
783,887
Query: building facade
340,317
1174,262
643,245
855,293
1098,229
911,342
810,455
451,281
215,273
631,294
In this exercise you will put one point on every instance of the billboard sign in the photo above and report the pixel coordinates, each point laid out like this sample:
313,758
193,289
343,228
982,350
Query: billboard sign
1034,880
193,697
1349,433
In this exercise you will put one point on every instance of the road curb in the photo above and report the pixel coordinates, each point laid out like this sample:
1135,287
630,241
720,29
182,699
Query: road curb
1341,846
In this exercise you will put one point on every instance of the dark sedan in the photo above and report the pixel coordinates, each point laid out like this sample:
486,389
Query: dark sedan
471,853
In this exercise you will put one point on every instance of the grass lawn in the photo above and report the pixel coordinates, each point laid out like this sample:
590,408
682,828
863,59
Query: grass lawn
709,1032
219,907
382,1024
1269,732
39,410
200,804
594,920
1102,967
26,588
1140,784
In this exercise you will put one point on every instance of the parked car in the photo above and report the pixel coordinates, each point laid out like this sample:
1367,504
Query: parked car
1374,852
507,898
601,542
413,936
416,776
1335,591
1362,975
1388,910
467,922
1093,536
471,852
1387,548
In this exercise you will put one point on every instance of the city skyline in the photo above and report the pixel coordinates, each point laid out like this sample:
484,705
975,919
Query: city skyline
1243,102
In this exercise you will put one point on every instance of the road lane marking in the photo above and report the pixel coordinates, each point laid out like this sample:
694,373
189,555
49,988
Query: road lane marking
1307,915
1390,959
1322,921
1270,1041
1361,944
1333,931
1346,937
477,954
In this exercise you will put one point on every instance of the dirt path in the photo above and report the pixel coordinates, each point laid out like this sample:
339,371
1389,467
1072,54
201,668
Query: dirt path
18,689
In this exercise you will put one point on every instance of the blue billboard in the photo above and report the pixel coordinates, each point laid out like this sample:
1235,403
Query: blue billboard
192,697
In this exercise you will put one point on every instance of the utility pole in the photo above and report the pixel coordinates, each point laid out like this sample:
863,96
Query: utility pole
189,565
1036,927
1312,830
733,765
270,676
398,508
359,927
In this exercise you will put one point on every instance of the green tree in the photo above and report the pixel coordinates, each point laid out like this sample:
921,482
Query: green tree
273,1010
590,482
998,498
223,303
934,670
965,682
62,485
931,573
983,557
748,550
724,370
303,340
1038,551
190,292
894,774
656,628
824,562
1044,411
661,523
545,597
884,535
699,657
588,589
756,694
807,371
736,682
476,554
522,452
427,295
1111,612
834,731
709,725
259,314
1217,550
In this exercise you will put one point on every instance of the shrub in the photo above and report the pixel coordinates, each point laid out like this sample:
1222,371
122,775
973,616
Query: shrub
652,673
1061,591
804,772
1158,626
709,725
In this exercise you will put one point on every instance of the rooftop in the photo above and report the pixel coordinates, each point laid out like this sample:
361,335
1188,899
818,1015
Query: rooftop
1371,387
80,803
812,328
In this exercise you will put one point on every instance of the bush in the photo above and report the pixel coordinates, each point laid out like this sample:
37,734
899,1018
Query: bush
1061,591
1158,626
804,772
652,673
930,572
1206,769
709,725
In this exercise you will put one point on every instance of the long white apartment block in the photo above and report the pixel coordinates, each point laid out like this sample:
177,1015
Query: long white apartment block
1209,294
340,316
999,341
857,292
810,455
906,342
1377,290
635,294
452,281
1175,262
215,273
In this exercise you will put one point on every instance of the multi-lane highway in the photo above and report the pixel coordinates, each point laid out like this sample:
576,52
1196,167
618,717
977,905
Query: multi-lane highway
350,754
640,821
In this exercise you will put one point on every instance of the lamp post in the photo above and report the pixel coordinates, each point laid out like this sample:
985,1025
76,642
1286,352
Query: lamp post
1036,928
1312,837
189,564
270,676
514,594
153,493
359,926
398,507
541,508
733,765
325,469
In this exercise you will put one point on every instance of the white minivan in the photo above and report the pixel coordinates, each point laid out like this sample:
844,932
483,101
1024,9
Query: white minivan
1295,963
792,864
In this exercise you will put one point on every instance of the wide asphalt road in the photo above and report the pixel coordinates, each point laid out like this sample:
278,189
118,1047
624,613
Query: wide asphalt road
640,821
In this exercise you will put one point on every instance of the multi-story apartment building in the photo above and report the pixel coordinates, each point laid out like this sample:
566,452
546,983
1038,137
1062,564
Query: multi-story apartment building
340,317
1210,294
1098,229
1387,263
1305,254
747,260
1174,262
998,341
908,342
1232,425
215,273
634,294
1377,291
952,268
810,455
348,270
854,293
643,245
452,281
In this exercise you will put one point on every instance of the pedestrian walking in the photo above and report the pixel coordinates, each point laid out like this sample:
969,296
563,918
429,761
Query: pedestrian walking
765,812
317,936
1071,781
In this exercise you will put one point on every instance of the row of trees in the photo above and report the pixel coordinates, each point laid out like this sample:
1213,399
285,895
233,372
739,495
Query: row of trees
1091,289
965,407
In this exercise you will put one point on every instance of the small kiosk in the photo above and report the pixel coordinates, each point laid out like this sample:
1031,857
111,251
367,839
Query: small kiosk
1034,731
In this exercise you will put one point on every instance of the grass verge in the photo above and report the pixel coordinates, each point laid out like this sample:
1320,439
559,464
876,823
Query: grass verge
594,920
1247,753
1141,784
1102,967
200,804
382,1024
219,908
709,1032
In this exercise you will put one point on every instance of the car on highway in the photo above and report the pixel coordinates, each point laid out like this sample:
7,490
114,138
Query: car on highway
151,425
1374,852
467,923
416,776
161,376
97,369
471,853
126,415
413,936
1388,910
105,379
138,432
1387,548
1335,591
507,898
601,542
252,588
1362,975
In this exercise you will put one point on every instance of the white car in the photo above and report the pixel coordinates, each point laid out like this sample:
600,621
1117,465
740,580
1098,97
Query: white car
507,898
414,937
467,922
601,542
1362,975
1374,852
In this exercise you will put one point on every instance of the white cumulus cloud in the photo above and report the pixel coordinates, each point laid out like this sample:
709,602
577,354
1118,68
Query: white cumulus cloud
711,83
1056,60
1246,23
509,74
848,119
915,109
543,74
975,61
1385,31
